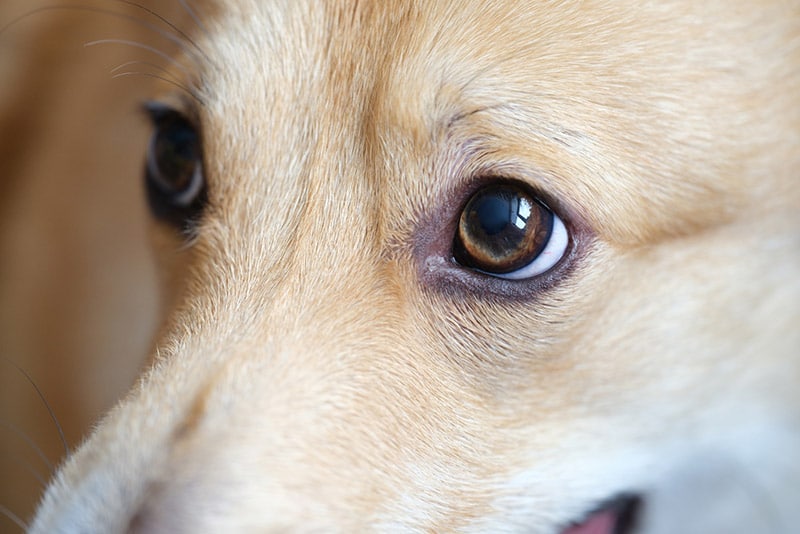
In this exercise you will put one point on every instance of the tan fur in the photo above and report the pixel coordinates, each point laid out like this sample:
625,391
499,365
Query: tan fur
327,368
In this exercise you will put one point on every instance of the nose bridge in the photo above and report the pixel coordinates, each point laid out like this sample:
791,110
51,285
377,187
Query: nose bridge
296,372
294,257
339,283
319,271
335,250
294,325
301,369
304,230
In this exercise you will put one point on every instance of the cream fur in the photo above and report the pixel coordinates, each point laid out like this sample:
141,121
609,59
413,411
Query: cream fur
326,369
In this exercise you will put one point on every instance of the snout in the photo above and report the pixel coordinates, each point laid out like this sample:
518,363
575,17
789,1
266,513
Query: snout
311,428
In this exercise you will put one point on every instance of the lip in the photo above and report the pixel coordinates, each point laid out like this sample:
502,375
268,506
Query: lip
616,516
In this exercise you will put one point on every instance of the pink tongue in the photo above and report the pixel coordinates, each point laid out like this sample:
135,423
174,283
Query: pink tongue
600,523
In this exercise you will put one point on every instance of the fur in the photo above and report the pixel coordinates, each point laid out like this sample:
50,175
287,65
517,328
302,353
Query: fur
326,367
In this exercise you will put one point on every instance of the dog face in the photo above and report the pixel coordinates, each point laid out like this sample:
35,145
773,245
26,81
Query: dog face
469,266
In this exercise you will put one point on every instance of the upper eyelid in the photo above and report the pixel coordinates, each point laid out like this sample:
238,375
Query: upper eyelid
471,141
155,110
481,166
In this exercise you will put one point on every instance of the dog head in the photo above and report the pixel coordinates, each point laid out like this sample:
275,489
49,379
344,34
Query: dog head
469,266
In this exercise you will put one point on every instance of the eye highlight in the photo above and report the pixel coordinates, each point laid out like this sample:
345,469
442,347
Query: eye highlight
505,231
174,168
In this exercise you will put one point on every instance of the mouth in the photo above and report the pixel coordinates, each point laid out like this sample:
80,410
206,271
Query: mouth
617,516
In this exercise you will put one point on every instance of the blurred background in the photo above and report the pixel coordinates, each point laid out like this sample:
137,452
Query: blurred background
78,295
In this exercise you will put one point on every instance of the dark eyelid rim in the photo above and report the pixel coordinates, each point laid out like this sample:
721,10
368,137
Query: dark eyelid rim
157,110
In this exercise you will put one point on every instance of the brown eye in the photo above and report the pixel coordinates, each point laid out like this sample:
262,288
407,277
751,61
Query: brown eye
173,171
505,231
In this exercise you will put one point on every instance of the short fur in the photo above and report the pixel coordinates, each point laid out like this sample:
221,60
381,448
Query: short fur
326,366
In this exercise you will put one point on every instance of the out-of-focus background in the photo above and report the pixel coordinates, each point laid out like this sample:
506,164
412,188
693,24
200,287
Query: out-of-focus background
78,297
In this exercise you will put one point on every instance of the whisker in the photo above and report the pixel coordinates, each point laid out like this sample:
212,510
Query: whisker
27,439
49,408
194,16
181,39
166,79
135,20
180,33
35,473
150,64
143,46
13,517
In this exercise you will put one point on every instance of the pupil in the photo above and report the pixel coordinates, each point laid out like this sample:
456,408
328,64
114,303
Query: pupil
495,213
502,216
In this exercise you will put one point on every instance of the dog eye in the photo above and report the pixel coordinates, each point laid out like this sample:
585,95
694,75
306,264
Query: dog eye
174,168
505,231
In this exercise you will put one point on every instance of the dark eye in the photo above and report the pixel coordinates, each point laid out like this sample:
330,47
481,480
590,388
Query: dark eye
174,168
505,231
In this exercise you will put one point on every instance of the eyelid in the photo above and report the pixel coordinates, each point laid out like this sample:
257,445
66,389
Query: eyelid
156,110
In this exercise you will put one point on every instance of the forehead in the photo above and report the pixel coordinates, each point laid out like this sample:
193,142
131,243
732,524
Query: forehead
601,103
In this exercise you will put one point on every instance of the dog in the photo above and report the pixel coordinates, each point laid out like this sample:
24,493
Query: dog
466,267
